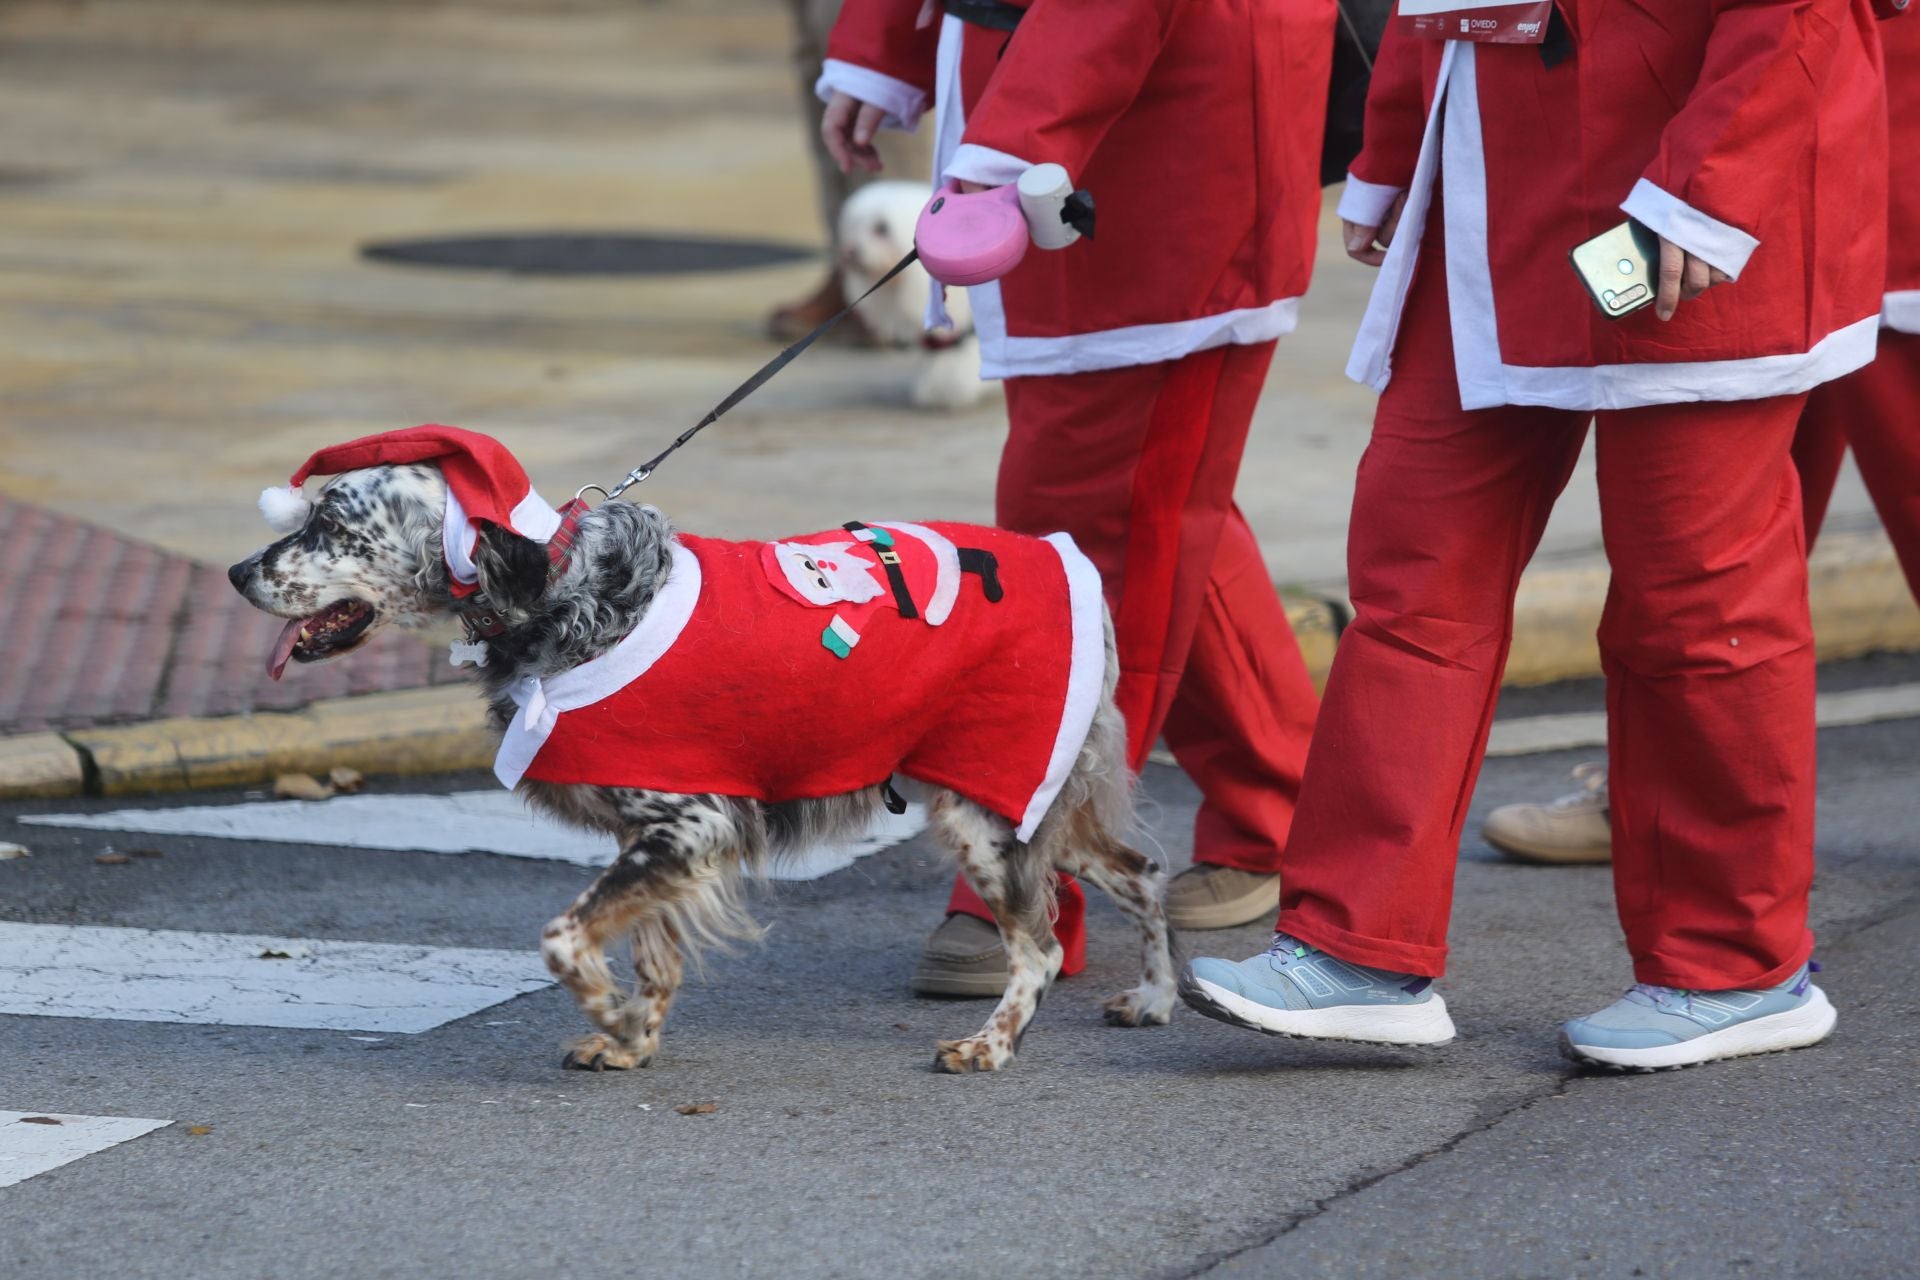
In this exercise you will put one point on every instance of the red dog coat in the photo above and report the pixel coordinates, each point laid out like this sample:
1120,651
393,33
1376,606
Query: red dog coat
965,657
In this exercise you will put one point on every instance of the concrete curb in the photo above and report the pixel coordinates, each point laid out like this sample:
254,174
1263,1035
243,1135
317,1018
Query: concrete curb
1860,600
413,731
1860,604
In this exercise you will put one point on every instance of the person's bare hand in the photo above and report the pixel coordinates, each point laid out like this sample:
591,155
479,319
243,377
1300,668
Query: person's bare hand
848,128
1683,278
1370,244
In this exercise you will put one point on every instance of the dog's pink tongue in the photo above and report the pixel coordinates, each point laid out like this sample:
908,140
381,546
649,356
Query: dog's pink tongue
283,647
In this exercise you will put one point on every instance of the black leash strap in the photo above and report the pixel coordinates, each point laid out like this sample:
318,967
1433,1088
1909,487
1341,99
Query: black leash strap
758,380
1353,34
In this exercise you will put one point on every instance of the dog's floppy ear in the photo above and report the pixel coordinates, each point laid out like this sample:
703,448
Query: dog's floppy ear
512,570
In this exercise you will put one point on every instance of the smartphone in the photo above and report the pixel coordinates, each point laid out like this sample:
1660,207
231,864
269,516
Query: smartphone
1620,268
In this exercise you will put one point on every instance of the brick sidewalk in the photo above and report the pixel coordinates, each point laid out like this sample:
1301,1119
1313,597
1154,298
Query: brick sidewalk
101,629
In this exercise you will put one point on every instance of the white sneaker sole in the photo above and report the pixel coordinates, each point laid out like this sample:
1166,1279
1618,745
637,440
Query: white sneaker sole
1793,1029
1426,1024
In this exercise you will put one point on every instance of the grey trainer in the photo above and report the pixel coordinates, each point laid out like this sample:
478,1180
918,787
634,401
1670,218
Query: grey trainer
1205,896
963,958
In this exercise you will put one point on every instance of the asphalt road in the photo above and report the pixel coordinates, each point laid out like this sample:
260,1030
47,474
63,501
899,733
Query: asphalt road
833,1151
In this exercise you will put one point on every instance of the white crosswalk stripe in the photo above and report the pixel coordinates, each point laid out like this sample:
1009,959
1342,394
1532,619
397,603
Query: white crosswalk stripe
33,1142
160,975
491,821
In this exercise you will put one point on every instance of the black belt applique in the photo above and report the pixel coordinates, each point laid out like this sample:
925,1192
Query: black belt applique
991,14
881,540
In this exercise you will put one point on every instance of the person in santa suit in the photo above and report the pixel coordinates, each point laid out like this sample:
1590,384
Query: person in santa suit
1133,361
1876,409
1750,137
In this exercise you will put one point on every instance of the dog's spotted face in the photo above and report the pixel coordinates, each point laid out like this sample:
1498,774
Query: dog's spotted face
368,555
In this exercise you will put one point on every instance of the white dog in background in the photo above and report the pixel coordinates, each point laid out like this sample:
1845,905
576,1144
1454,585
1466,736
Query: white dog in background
876,230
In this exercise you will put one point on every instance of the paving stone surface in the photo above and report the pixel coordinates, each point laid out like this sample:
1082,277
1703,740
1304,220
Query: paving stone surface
104,629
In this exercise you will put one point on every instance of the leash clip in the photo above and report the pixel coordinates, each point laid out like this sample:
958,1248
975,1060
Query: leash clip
634,477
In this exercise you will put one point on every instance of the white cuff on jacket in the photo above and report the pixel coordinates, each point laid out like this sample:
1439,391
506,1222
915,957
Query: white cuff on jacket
1708,239
1364,203
903,103
985,166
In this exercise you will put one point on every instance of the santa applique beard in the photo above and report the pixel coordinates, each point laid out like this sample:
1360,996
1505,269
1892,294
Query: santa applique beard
965,657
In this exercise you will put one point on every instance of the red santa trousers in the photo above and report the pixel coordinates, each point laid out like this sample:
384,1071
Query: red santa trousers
1138,464
1877,410
1706,643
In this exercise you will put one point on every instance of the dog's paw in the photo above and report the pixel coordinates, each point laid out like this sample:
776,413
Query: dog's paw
1139,1007
975,1053
602,1053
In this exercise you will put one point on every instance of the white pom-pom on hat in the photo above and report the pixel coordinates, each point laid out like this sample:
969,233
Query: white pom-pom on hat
285,508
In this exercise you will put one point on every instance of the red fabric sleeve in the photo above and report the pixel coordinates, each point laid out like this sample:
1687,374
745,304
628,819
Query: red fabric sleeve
1068,73
884,36
1396,113
1737,146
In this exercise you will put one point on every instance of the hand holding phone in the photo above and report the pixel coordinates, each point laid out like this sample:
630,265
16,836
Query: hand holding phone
1629,267
1620,268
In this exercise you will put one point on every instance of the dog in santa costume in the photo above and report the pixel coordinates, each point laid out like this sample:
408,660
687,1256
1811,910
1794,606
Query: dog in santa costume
713,703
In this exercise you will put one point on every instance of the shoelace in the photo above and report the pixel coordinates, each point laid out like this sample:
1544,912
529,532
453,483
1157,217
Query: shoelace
1659,997
1663,996
1592,777
1285,947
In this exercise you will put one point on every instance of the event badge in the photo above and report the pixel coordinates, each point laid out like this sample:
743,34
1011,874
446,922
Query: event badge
1479,21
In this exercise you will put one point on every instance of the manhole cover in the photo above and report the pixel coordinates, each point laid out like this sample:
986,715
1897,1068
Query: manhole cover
575,254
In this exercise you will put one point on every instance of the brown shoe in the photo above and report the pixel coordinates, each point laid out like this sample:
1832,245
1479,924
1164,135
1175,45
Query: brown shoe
1574,828
797,319
962,958
1205,896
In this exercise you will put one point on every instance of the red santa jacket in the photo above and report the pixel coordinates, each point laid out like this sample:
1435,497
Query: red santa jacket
1901,307
1195,123
1752,133
966,657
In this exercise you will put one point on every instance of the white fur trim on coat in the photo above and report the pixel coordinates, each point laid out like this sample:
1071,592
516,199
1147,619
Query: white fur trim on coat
1705,237
974,163
903,103
542,701
1366,204
1900,311
1086,677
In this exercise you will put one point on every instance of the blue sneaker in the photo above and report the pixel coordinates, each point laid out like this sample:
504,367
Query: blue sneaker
1293,989
1655,1028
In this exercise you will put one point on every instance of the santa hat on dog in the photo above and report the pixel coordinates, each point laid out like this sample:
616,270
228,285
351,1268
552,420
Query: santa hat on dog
484,482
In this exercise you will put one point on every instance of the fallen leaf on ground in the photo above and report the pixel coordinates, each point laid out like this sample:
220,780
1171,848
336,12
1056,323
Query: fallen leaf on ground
697,1108
199,1130
38,1120
346,781
901,1026
300,786
111,859
8,852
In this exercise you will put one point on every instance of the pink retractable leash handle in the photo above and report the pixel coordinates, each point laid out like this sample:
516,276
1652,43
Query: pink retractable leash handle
973,237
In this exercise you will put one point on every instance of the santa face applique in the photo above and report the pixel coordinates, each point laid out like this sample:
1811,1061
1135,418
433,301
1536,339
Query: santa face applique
825,573
909,568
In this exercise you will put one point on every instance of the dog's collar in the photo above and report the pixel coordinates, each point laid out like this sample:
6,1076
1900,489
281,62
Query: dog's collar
482,622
